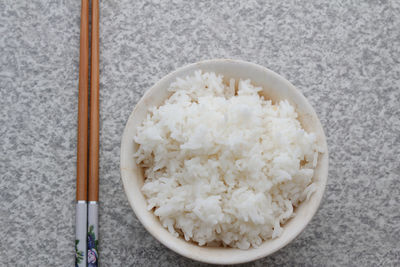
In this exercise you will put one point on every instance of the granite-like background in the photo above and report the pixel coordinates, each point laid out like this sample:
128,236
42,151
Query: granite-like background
343,55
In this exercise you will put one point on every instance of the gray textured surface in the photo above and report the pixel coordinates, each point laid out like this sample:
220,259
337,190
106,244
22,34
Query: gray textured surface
343,55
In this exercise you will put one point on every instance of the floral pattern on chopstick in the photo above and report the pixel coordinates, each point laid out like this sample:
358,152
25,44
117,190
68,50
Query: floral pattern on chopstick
92,248
78,254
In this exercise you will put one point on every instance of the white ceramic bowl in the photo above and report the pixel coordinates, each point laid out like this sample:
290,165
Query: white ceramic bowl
275,88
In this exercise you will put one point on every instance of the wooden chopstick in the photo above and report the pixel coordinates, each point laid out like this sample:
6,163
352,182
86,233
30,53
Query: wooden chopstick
82,146
81,188
94,108
93,195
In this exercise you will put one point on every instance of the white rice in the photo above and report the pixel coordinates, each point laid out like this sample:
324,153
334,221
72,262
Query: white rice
224,167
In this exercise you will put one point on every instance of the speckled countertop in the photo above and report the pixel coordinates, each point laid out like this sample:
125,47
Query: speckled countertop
343,55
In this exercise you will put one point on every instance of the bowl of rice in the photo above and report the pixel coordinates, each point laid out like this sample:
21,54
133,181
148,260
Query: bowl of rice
224,161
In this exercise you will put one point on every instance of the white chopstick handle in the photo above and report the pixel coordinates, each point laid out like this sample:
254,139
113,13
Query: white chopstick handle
93,233
80,234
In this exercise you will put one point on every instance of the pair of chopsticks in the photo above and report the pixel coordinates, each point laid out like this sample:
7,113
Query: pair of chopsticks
87,183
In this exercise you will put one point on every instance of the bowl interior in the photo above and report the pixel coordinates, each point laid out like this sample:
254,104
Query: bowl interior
275,88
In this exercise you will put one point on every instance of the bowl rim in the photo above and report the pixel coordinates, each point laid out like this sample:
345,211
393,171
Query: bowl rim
324,171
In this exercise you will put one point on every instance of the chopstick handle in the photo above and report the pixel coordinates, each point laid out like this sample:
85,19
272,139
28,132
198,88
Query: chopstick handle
80,233
92,235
